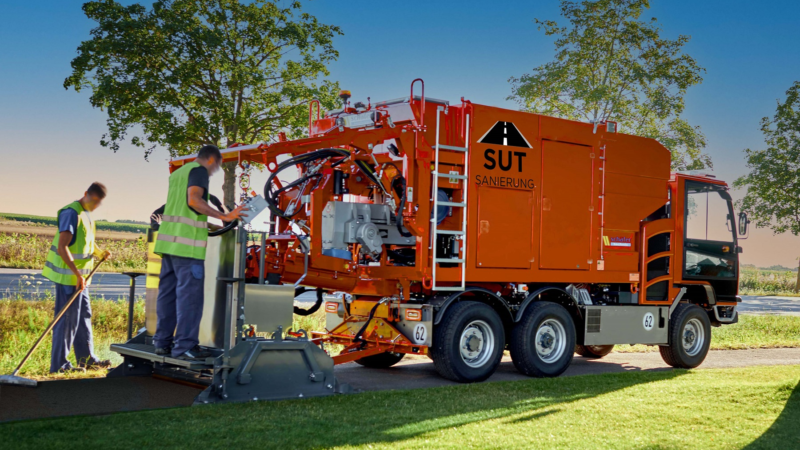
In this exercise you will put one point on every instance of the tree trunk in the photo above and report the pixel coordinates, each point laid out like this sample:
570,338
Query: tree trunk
797,284
229,185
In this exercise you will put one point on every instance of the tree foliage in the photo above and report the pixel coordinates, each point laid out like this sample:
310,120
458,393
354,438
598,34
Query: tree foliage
610,65
185,73
773,184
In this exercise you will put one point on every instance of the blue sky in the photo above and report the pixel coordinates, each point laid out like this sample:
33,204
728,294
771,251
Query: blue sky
49,136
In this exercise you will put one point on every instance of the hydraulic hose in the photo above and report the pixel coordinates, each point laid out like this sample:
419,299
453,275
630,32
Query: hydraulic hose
401,185
271,196
227,226
314,308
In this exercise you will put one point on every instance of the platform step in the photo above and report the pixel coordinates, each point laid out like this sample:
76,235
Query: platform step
453,204
450,260
450,232
453,148
447,288
451,175
148,352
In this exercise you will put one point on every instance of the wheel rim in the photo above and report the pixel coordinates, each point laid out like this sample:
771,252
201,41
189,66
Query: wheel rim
550,341
694,337
476,343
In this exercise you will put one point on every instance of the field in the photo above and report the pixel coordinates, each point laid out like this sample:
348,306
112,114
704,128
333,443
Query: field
21,321
29,251
754,281
754,408
101,225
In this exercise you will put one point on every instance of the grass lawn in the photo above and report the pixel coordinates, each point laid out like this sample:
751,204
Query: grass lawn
750,408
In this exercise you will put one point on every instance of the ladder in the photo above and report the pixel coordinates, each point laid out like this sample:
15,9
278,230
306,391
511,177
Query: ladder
435,231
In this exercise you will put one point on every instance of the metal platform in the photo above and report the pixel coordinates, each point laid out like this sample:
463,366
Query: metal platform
148,352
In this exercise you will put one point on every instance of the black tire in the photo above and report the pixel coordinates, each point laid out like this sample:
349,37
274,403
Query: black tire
593,351
686,321
381,360
446,350
523,348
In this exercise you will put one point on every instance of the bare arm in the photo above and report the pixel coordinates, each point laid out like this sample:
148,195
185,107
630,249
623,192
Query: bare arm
198,203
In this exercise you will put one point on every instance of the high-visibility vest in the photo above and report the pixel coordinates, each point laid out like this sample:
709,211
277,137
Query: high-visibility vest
55,269
183,232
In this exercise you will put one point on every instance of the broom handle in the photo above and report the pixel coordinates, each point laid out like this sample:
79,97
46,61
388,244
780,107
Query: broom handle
55,321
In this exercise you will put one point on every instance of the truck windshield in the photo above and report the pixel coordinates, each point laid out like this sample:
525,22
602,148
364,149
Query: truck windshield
710,248
708,216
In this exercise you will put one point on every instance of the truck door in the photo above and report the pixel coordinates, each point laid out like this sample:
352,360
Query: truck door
709,250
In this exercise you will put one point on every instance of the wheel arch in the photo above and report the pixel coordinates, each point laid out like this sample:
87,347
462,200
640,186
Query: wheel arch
554,294
473,293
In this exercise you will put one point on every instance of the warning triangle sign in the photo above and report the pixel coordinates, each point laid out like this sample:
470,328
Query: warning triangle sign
505,133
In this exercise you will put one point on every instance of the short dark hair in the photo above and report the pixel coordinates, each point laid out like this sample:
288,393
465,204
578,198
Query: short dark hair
98,189
208,151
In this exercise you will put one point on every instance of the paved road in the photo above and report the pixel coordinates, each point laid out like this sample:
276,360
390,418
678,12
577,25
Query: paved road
107,395
108,285
784,306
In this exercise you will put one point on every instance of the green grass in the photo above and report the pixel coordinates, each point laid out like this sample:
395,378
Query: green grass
22,321
100,224
754,408
29,251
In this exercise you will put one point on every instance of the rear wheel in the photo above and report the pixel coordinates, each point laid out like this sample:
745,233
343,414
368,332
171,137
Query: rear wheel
689,337
381,360
593,351
542,342
468,343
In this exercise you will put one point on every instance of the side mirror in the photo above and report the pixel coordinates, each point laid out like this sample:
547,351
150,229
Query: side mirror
743,222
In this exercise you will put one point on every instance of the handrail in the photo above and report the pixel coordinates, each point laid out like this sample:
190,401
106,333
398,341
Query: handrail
411,101
310,117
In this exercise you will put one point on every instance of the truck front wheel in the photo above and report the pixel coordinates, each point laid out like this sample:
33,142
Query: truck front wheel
542,343
689,337
468,343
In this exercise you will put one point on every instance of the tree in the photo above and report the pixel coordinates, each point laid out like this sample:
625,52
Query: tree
773,184
609,65
185,73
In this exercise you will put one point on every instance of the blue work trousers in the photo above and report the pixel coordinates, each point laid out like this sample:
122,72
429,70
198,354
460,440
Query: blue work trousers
180,303
74,329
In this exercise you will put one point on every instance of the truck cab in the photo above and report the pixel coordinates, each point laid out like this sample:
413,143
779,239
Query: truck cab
708,263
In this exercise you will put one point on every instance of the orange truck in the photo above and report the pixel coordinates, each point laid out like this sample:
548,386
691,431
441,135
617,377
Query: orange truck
458,231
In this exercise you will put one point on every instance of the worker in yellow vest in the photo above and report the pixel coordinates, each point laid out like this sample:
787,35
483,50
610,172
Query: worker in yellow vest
68,262
181,243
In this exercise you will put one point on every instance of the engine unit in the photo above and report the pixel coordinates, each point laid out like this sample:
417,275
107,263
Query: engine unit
370,225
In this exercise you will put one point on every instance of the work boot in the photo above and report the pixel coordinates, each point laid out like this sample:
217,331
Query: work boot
196,353
97,364
71,369
162,351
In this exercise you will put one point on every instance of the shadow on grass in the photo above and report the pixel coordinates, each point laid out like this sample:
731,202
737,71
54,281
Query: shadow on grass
785,431
369,418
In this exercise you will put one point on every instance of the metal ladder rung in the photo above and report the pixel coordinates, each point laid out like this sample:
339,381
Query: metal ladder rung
450,232
449,260
451,175
453,204
447,288
453,148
